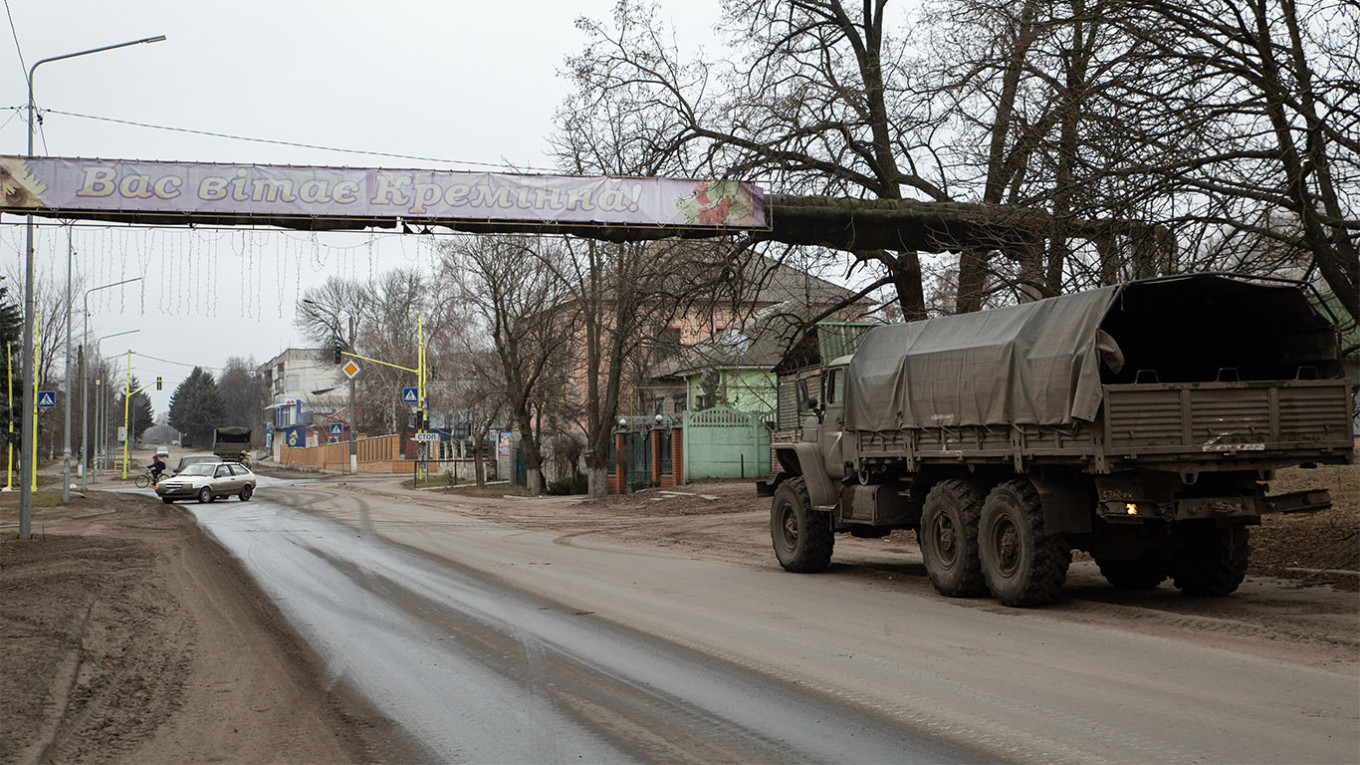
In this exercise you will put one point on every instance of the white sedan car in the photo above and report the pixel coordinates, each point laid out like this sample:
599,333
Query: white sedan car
206,481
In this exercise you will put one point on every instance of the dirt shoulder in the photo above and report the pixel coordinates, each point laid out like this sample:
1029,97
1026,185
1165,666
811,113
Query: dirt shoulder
131,637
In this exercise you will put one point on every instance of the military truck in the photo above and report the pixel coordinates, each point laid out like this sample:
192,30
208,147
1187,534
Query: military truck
231,443
1138,422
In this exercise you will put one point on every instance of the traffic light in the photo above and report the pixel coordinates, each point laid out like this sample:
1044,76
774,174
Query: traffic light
338,349
158,383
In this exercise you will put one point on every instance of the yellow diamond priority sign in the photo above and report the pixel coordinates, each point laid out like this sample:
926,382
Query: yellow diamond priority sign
350,369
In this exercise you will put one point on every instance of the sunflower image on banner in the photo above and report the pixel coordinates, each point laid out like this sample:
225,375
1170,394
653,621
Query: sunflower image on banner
717,202
18,186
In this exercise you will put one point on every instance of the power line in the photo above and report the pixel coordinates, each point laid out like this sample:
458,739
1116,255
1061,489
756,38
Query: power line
276,142
15,33
204,367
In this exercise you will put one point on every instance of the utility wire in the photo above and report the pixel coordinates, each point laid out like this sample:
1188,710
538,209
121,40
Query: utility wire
15,33
177,363
296,144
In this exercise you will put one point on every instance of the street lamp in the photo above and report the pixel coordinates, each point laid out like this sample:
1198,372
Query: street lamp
84,389
27,428
101,404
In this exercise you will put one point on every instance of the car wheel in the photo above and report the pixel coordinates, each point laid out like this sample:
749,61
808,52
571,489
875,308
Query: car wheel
246,492
205,495
167,500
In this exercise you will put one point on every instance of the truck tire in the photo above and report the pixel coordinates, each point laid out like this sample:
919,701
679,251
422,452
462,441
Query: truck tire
802,537
1142,573
948,538
1020,563
1209,561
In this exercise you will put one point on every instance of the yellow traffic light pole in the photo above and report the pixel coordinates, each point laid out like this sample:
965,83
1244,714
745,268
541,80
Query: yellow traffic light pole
128,393
9,443
419,371
37,346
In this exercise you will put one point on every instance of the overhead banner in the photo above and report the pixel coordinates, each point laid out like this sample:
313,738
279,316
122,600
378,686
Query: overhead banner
58,184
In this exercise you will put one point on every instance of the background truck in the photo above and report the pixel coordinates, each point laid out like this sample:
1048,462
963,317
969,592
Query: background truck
1136,422
230,443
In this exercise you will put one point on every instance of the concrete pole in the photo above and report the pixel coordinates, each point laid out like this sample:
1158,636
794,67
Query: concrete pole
70,389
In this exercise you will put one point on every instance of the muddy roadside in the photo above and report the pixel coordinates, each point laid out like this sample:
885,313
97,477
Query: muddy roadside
131,637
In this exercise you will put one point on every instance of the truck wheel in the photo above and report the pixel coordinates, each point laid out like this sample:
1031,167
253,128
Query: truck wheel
1143,573
1022,565
948,538
1209,561
802,537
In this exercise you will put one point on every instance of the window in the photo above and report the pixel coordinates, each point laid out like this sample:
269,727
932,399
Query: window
833,385
667,343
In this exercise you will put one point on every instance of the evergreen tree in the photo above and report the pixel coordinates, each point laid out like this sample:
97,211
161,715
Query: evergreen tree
196,407
11,338
141,414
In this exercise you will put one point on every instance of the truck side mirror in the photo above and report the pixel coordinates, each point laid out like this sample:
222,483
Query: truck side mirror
800,387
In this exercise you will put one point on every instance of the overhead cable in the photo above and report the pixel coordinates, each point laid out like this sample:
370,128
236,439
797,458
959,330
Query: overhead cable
276,142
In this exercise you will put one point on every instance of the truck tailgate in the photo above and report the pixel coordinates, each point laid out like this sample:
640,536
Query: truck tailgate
1228,418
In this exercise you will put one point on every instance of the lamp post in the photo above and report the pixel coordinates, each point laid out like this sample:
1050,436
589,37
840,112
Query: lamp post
27,429
85,383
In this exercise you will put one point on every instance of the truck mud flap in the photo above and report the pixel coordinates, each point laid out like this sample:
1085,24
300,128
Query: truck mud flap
1299,502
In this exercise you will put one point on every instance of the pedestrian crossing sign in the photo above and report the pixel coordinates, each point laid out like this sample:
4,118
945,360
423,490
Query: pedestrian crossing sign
47,399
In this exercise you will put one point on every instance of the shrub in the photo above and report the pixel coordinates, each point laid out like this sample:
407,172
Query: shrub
572,484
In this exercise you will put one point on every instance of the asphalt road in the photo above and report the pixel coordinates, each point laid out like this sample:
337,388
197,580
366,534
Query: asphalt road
488,643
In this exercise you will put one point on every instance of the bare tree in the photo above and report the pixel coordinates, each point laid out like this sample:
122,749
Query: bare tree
510,288
813,101
624,295
243,393
384,320
479,397
1277,110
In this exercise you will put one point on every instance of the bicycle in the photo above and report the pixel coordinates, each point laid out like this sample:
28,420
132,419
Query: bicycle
145,480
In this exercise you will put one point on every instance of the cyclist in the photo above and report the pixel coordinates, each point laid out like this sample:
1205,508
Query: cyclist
156,467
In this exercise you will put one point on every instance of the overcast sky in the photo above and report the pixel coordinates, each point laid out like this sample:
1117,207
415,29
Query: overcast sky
469,84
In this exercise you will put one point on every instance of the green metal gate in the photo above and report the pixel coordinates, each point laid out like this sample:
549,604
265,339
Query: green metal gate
723,443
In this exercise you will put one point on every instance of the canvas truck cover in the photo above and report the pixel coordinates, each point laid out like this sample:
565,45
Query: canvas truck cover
1034,363
230,440
1041,363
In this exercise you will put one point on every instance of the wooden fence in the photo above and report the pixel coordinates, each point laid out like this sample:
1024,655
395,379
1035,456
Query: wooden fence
380,454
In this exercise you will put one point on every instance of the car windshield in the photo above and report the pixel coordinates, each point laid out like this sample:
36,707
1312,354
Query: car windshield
199,468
